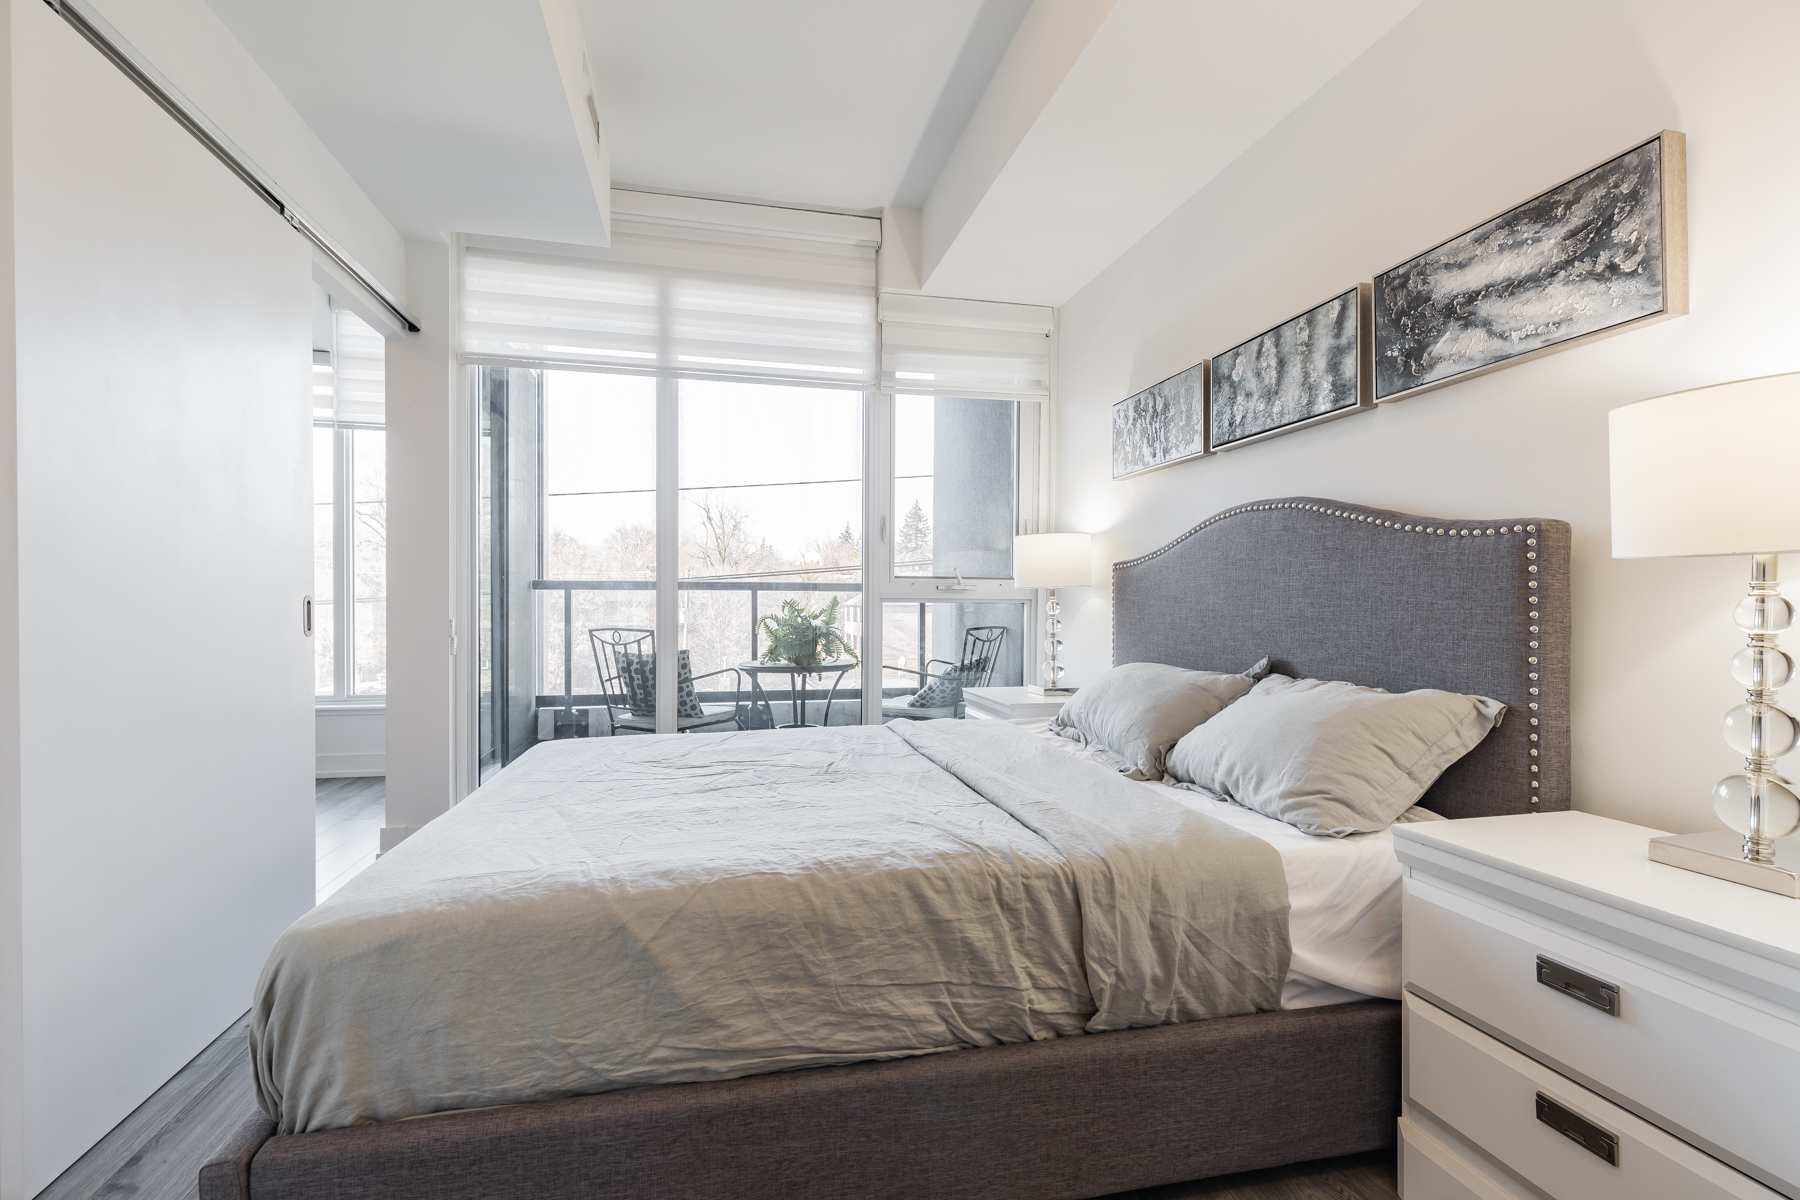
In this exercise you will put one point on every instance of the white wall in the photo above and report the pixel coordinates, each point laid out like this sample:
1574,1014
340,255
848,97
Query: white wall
350,740
162,517
424,480
190,45
1457,114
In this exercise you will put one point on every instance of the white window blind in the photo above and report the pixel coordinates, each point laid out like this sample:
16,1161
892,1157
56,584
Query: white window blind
352,387
704,288
936,346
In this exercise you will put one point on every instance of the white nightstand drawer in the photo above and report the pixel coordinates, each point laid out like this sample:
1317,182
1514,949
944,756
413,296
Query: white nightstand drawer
1430,1170
1499,1100
1709,1069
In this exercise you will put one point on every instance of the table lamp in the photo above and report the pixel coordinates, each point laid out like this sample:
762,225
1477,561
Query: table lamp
1052,560
1708,472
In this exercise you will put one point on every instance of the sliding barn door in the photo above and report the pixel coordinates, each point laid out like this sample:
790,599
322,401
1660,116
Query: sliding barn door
162,515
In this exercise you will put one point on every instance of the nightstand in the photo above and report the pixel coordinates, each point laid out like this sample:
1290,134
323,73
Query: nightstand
1583,1023
1009,704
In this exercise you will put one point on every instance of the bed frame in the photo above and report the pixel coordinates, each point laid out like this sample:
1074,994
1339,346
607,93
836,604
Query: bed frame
1326,589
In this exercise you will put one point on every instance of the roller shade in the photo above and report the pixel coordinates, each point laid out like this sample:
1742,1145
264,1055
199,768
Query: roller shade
361,362
350,380
943,347
703,292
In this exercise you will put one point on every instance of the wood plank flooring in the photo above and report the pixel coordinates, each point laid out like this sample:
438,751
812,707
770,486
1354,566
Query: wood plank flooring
348,815
157,1151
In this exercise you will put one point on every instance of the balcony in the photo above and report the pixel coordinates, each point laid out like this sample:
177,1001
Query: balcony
720,624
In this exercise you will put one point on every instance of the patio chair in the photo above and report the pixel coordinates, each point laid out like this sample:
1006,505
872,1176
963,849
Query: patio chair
940,694
626,661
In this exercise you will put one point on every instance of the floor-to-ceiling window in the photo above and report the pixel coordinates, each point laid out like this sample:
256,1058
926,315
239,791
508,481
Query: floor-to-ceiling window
771,490
686,437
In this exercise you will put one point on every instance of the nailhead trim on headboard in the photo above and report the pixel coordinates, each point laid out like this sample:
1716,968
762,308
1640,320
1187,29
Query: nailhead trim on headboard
1530,541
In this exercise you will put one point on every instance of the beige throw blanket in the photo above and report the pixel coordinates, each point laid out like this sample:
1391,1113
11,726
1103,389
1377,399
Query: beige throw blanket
608,913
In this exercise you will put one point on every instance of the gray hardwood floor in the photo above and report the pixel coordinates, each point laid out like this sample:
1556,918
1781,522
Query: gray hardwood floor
156,1153
158,1150
348,815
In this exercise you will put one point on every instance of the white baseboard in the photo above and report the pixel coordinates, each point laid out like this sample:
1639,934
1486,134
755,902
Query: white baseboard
344,766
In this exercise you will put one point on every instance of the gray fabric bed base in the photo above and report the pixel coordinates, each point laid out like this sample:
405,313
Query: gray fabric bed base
1058,1120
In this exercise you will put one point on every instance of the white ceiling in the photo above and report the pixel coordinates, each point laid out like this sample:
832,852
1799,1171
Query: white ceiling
449,113
1067,164
849,105
1040,138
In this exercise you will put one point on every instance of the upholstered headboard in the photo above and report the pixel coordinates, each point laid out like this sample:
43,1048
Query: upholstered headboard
1330,590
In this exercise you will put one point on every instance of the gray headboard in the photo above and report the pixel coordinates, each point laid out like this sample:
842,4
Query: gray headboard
1330,590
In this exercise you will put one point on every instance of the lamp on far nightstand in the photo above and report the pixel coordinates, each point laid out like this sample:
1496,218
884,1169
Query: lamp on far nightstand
1708,472
1052,560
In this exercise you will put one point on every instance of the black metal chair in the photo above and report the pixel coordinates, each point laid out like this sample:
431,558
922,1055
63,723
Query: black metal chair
626,661
980,653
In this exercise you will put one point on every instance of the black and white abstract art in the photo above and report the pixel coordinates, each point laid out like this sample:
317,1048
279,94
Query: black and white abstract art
1307,369
1165,423
1583,259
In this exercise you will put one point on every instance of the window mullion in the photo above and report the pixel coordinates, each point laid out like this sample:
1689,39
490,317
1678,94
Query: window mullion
343,555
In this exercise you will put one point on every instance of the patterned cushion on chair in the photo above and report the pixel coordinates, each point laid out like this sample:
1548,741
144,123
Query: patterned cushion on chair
637,678
637,675
946,691
687,704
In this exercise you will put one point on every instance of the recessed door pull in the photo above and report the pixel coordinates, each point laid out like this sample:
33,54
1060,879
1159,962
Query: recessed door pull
306,620
1579,1129
1596,993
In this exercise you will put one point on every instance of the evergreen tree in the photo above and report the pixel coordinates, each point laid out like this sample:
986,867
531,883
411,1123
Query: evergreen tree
914,544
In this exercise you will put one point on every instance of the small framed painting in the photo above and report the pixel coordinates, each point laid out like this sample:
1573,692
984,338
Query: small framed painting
1310,368
1161,425
1601,253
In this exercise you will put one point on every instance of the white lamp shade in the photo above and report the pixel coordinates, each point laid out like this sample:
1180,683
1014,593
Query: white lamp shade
1708,471
1053,560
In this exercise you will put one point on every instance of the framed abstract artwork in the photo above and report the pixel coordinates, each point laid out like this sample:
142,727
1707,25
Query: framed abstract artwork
1601,253
1310,368
1163,424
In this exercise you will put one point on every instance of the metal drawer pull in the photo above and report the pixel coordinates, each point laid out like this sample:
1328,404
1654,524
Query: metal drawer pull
1578,1129
1595,992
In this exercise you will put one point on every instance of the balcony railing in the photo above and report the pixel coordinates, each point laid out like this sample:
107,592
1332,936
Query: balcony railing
570,699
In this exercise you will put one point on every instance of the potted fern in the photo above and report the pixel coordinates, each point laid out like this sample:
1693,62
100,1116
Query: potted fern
804,636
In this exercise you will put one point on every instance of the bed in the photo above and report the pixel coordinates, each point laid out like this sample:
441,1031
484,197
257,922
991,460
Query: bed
1326,590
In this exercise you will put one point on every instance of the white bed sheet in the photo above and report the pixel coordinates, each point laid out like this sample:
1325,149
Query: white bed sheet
1344,897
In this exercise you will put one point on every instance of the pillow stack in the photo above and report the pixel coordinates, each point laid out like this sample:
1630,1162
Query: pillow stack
1135,713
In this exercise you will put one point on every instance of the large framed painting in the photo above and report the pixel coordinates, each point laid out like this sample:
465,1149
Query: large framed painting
1161,425
1308,369
1604,252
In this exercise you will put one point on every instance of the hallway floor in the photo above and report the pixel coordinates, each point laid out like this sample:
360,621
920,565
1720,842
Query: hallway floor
348,816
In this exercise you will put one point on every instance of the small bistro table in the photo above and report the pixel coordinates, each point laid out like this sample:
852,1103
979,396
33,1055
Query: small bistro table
797,686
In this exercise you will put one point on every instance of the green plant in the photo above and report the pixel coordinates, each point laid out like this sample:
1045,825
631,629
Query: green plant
804,636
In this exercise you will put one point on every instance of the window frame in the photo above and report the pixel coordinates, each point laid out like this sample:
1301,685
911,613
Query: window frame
881,586
343,572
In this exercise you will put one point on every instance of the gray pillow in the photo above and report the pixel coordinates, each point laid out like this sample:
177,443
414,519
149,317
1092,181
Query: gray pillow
1331,758
1132,714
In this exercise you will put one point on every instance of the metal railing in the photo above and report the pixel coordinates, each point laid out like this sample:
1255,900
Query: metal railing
570,699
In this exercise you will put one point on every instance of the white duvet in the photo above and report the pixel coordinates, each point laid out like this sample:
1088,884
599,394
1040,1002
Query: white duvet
1344,897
